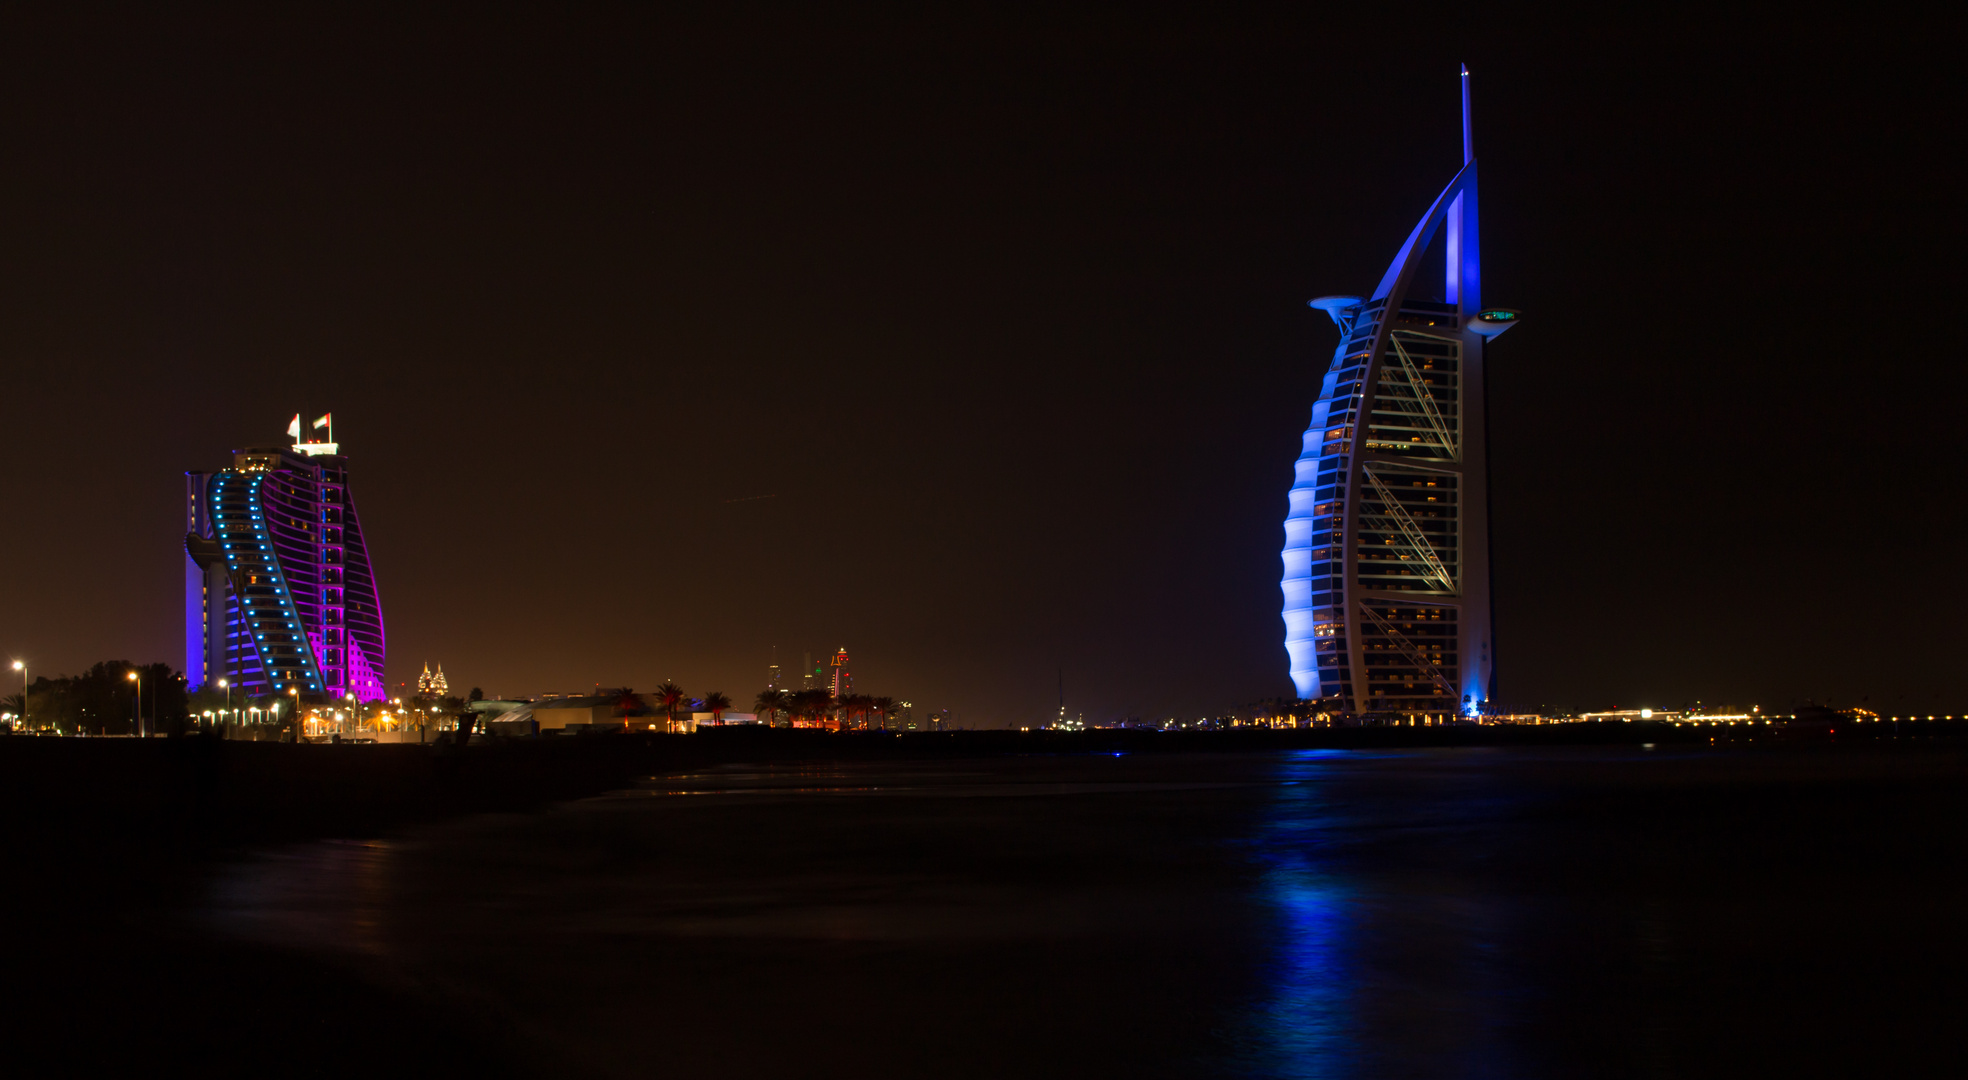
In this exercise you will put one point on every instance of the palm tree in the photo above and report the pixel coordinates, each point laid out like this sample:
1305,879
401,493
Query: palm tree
886,708
770,703
813,706
715,703
670,695
627,701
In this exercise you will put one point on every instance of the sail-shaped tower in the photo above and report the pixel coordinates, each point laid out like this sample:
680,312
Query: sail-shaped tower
1386,560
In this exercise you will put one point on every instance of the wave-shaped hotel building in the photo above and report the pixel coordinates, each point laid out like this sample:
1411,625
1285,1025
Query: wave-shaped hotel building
279,592
1386,559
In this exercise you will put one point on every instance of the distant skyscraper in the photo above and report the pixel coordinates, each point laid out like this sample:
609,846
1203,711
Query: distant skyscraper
842,682
1386,559
279,593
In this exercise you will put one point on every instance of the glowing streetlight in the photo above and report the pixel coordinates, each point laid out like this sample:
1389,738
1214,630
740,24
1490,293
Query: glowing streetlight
21,666
138,724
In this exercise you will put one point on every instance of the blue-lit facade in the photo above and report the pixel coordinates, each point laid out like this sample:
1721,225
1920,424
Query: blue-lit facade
279,591
1386,559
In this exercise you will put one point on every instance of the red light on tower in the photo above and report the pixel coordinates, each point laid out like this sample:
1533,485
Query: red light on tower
843,680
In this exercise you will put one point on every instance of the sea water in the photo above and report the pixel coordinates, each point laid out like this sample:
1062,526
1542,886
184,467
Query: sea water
1428,913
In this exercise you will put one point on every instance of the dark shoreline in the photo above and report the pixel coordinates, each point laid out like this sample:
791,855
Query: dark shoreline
165,796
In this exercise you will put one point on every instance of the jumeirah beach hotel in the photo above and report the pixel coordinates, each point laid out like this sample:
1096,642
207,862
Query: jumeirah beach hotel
279,593
1386,559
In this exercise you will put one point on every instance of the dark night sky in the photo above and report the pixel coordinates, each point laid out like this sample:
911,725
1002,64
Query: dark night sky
1007,315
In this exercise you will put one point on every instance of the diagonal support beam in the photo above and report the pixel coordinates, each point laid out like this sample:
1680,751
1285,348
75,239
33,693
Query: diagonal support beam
1409,650
1409,530
1424,400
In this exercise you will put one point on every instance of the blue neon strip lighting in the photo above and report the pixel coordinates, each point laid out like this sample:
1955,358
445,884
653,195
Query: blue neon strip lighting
253,608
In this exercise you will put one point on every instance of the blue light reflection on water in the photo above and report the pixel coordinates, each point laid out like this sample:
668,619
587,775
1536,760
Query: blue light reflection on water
1387,955
1303,1028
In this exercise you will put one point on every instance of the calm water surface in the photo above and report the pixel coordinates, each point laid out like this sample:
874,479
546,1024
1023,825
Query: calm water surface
1318,914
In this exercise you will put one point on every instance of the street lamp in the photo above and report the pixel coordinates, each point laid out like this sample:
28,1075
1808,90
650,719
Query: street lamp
21,666
296,693
227,687
137,725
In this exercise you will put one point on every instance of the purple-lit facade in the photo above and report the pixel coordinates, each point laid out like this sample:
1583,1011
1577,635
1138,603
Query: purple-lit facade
279,591
1386,559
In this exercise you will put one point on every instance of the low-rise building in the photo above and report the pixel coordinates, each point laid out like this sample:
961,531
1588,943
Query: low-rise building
575,715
